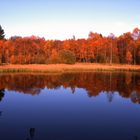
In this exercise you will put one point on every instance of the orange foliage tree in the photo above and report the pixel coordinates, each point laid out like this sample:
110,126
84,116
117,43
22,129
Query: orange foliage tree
96,48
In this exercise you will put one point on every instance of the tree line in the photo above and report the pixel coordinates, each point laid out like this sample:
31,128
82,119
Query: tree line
124,49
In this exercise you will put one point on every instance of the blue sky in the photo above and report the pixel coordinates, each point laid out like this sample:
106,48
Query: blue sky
61,19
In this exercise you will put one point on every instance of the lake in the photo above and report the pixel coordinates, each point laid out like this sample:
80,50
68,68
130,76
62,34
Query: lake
73,106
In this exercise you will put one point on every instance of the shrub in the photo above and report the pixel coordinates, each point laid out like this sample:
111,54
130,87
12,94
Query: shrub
67,57
62,57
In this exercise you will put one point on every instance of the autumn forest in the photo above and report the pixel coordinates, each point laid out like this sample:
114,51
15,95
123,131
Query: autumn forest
97,48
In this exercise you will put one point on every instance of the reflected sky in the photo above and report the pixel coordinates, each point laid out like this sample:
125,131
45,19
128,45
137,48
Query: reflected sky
65,107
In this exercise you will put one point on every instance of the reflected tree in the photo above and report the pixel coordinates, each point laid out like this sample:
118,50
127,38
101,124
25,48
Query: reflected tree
110,94
136,138
135,97
31,134
1,96
93,83
0,113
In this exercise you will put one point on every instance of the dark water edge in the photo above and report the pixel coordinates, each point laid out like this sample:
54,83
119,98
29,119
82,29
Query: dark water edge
87,106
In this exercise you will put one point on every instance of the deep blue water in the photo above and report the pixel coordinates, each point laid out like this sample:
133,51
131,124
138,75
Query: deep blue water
70,111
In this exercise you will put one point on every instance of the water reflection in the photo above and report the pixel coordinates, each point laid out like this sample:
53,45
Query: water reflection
1,97
31,134
126,84
63,111
136,138
1,94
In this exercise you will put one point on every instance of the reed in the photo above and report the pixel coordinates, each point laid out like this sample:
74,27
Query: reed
60,68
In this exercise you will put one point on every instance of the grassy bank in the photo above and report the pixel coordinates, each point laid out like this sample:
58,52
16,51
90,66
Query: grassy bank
60,68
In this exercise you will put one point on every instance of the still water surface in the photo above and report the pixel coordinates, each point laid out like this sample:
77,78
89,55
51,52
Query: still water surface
81,106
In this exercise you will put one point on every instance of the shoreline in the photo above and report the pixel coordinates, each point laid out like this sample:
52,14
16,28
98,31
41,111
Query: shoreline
64,68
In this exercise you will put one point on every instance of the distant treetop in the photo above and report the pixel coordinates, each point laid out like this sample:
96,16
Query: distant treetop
2,35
